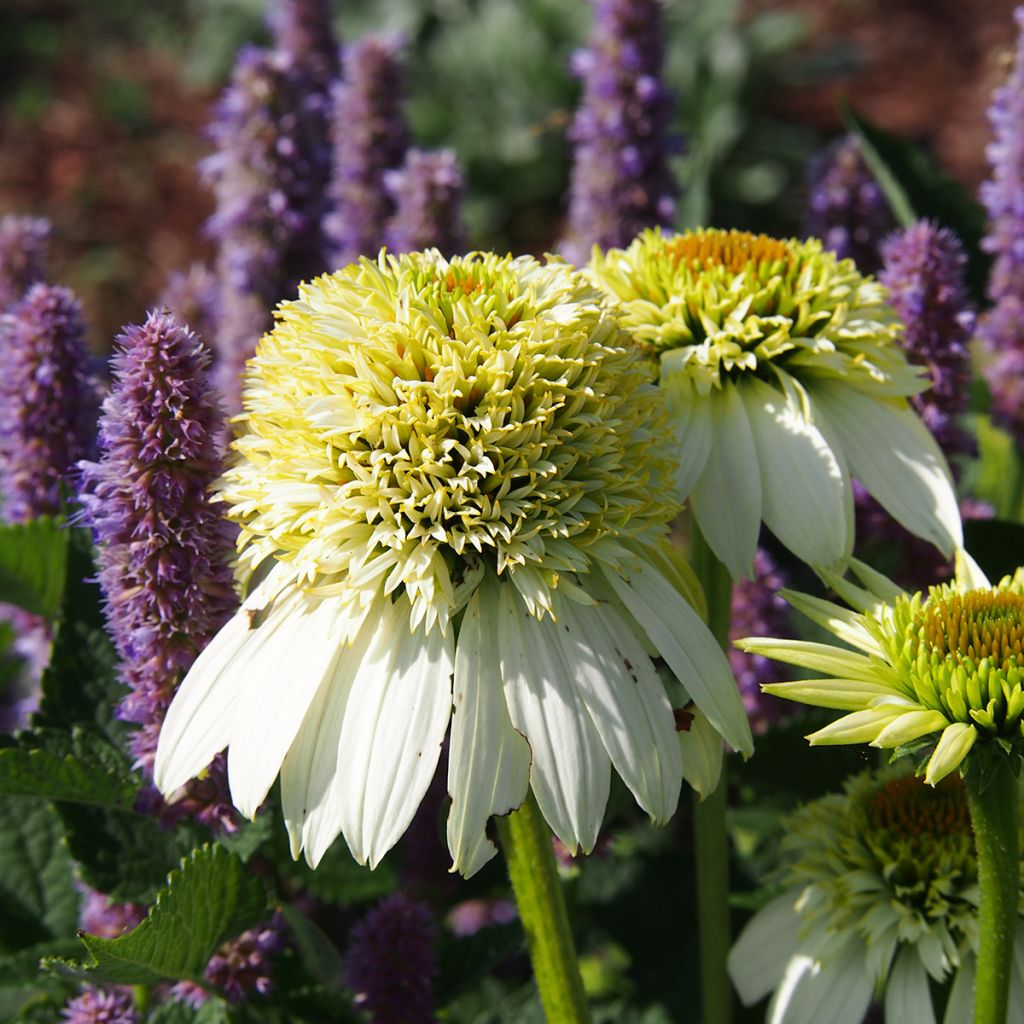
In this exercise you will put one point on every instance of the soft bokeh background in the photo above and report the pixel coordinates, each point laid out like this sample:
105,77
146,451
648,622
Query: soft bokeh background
103,103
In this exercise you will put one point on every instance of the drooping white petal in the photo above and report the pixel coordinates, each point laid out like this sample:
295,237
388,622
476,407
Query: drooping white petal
691,424
570,772
391,735
970,575
311,768
838,991
703,751
726,499
689,648
892,453
488,761
803,481
304,634
960,1004
758,959
907,996
627,703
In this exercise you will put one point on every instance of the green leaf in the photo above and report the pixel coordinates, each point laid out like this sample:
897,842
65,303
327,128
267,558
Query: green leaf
338,879
917,187
319,955
464,961
38,899
33,565
213,1011
209,900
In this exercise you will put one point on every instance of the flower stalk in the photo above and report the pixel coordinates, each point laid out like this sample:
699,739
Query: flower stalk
993,799
526,842
710,832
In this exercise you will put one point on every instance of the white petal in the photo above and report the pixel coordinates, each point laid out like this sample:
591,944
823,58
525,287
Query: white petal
627,703
303,637
803,481
960,1004
391,735
843,623
838,992
820,658
907,996
691,423
571,772
969,574
726,499
311,768
689,648
703,751
757,960
488,761
892,453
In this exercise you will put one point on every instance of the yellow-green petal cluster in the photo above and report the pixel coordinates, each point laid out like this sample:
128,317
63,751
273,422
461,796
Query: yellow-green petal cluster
941,669
785,379
418,421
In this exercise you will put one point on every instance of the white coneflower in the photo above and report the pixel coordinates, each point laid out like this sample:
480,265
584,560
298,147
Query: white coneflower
453,481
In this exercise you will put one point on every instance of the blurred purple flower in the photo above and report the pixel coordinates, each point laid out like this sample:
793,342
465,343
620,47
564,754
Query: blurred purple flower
23,245
846,208
101,916
370,138
1002,328
392,962
163,550
621,180
302,31
193,298
427,196
47,402
470,916
101,1006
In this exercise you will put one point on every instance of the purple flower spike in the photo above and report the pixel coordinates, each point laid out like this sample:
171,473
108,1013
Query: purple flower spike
923,268
370,138
100,916
846,208
163,550
758,610
47,402
427,194
621,180
302,30
101,1006
193,298
23,244
392,962
1002,327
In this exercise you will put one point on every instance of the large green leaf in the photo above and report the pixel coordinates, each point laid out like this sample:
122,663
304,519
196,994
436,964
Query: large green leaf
917,187
209,900
33,563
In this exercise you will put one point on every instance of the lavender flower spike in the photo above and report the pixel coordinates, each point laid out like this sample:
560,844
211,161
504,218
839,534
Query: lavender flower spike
392,962
47,404
846,209
621,180
101,1006
427,193
23,243
302,31
1002,327
370,138
193,298
923,268
163,550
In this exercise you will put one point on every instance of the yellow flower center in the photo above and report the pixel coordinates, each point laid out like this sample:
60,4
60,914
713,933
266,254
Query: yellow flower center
734,250
908,808
981,624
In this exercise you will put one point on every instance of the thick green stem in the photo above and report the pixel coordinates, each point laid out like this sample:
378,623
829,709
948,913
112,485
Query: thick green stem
711,836
526,841
993,799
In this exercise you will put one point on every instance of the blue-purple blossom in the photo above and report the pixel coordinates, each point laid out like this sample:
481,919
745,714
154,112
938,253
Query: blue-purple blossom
193,298
47,402
392,962
621,179
23,244
163,549
370,138
923,268
758,610
1002,327
846,208
427,196
101,1006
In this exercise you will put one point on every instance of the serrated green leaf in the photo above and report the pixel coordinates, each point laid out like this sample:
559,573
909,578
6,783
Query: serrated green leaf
46,775
213,1011
38,899
209,900
917,187
33,565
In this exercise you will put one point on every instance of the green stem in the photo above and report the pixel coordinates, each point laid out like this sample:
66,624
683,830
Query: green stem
140,996
526,841
711,835
994,813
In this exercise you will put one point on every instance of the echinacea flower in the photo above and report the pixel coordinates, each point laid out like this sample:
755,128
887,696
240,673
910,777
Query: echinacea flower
943,667
453,488
785,379
881,900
